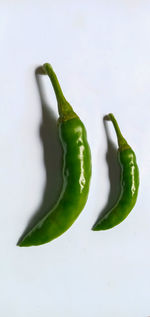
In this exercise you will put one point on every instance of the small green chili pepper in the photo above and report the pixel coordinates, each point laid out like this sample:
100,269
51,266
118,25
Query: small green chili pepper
129,184
76,173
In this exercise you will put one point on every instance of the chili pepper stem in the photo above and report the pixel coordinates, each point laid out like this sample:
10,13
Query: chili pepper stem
121,140
64,108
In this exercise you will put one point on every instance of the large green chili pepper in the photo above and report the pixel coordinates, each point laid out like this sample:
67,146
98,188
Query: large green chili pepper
129,184
76,173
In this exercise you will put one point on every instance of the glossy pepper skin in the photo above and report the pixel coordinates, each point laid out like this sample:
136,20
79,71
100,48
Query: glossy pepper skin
76,173
129,184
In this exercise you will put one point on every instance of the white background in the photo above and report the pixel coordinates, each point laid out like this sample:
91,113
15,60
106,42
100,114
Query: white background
100,51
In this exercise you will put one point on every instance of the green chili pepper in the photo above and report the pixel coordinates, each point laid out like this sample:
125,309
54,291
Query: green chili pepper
129,183
76,173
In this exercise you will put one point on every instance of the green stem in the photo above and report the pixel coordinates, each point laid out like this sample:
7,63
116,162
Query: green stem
121,140
64,108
